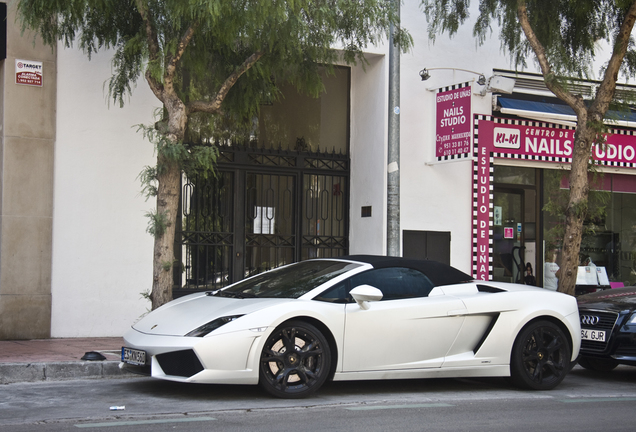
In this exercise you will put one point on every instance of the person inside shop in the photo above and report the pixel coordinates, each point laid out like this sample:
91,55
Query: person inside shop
529,278
551,273
589,263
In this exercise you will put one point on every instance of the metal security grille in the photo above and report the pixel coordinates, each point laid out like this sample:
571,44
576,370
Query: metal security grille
206,239
270,221
264,209
324,216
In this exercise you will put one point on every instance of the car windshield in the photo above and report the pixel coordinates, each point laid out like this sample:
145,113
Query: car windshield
288,282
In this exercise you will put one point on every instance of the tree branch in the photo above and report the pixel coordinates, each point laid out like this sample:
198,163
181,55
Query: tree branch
608,85
153,49
574,102
172,61
214,105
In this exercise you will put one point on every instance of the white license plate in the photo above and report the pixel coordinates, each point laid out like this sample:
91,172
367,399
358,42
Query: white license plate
593,335
133,356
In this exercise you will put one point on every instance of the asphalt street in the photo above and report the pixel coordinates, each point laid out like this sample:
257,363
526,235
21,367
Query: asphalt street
584,401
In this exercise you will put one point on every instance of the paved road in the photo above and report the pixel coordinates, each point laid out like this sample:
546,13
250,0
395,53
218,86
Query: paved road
584,401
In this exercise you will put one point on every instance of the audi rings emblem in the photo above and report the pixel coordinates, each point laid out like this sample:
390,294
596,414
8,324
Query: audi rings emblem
589,319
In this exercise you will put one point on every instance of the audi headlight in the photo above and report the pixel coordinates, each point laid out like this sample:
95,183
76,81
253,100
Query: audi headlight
632,319
212,325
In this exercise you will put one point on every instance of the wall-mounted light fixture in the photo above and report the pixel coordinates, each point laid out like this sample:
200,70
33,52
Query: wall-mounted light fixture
495,83
425,75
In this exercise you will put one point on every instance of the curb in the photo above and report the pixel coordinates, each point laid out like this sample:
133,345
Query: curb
11,373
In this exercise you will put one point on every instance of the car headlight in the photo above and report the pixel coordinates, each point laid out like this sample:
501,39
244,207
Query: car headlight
632,319
212,325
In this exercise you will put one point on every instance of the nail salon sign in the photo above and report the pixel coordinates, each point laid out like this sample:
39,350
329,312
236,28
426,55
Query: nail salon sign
529,140
496,138
453,128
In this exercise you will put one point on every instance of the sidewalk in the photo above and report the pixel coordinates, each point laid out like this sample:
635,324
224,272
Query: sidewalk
59,359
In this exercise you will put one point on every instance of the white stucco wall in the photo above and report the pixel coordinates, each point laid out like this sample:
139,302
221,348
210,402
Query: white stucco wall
438,196
102,256
369,117
434,196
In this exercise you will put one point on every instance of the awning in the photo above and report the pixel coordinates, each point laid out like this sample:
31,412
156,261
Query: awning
557,113
526,105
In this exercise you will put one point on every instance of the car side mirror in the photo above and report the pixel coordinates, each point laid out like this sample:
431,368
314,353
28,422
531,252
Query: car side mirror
365,293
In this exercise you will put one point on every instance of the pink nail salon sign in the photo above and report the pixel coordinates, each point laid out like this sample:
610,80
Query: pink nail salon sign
453,129
531,141
496,138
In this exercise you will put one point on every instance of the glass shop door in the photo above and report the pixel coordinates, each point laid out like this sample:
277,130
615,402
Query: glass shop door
508,236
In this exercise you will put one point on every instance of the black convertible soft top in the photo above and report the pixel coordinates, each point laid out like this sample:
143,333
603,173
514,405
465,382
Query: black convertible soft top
438,273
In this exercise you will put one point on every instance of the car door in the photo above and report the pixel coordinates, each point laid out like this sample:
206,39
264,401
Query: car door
406,329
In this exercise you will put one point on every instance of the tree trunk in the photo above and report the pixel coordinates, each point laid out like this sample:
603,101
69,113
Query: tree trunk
577,207
163,257
168,191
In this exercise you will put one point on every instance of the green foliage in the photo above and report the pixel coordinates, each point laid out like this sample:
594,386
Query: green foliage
193,158
148,179
157,223
294,36
146,295
570,30
210,62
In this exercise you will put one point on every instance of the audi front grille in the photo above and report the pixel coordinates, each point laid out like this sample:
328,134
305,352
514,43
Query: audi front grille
596,320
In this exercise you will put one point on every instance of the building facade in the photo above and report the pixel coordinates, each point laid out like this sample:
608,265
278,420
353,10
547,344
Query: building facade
27,141
480,166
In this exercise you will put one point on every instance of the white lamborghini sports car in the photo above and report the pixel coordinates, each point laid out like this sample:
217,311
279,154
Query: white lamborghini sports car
358,318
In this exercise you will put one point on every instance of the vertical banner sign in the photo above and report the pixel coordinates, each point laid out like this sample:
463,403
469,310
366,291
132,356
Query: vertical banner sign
28,72
453,123
482,205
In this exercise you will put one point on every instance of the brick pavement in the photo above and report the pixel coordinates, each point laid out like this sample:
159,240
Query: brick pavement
58,359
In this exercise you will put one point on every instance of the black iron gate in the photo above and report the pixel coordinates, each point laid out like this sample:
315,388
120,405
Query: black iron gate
264,209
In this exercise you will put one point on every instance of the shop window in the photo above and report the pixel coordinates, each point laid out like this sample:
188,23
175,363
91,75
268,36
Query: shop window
609,237
514,175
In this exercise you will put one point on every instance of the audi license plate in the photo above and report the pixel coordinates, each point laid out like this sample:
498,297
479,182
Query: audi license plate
593,335
133,356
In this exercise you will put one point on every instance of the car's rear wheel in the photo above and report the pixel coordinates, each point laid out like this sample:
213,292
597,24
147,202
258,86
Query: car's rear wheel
295,360
540,356
598,364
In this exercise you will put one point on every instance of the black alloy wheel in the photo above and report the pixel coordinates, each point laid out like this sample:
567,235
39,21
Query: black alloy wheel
540,356
295,360
598,364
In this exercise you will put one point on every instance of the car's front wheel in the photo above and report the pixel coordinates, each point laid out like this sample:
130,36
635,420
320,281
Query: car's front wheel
598,364
540,356
295,360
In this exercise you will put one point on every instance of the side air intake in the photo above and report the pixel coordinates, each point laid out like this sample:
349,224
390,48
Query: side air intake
489,289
